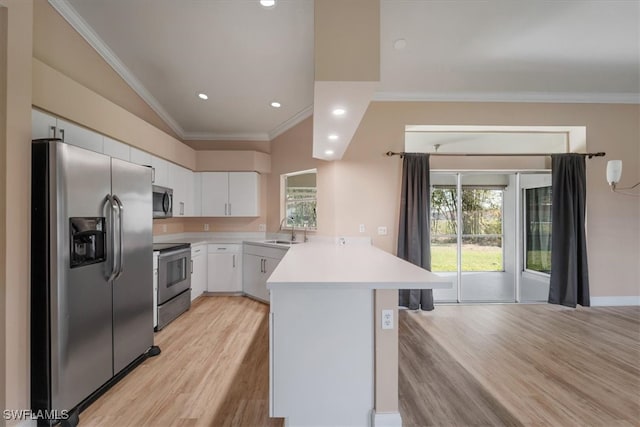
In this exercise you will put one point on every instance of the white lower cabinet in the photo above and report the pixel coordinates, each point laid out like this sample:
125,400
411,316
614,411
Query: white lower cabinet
198,270
225,268
258,264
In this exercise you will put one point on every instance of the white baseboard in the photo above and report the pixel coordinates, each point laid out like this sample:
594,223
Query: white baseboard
386,419
614,301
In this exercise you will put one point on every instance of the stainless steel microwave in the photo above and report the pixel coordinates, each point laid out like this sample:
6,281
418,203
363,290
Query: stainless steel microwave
162,202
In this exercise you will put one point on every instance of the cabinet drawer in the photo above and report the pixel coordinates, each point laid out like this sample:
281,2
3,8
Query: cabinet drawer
264,251
198,250
224,248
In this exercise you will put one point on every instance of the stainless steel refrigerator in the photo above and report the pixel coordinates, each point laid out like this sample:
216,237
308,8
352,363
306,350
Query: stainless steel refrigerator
91,274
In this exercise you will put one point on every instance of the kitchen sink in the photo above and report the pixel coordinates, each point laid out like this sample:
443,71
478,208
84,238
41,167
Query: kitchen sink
281,242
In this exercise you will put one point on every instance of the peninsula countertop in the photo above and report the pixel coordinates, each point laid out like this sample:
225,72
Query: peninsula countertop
359,266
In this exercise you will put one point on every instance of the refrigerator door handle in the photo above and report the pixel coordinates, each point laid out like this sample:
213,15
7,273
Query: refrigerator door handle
112,232
121,233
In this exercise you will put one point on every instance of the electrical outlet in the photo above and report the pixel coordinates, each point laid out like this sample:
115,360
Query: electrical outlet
361,228
164,228
382,230
387,319
262,227
206,227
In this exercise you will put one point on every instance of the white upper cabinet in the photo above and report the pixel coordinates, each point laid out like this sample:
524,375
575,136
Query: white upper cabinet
140,157
116,149
197,194
79,136
230,194
215,193
42,125
244,194
160,171
181,181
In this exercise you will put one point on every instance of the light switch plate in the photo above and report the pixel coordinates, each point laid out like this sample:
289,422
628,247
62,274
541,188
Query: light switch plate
206,227
262,227
361,228
164,228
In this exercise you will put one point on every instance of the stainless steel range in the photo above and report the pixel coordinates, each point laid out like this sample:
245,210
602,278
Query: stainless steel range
174,281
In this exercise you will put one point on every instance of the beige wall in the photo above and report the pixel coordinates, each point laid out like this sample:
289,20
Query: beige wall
15,192
261,146
347,40
58,45
386,353
367,184
233,161
3,198
57,93
291,152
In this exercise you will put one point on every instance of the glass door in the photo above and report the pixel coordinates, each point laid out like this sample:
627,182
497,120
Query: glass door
487,267
444,232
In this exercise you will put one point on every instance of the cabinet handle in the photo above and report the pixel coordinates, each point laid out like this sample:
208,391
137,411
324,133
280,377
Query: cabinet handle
229,208
191,266
153,174
62,134
181,208
52,131
234,260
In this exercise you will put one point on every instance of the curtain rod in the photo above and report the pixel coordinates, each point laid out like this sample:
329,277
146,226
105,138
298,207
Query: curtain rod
588,155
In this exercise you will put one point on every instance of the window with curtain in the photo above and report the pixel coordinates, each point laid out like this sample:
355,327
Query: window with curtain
537,223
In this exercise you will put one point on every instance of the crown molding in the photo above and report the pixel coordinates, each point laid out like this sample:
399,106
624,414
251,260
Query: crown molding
64,8
212,136
291,122
541,97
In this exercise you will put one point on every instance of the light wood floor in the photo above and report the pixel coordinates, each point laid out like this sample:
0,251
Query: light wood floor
213,371
488,365
539,365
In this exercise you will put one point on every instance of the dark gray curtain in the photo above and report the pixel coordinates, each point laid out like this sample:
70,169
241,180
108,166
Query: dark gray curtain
569,274
414,237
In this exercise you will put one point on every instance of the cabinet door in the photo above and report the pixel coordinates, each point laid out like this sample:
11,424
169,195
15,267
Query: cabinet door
244,194
199,275
139,157
161,171
196,190
252,275
179,186
221,272
42,125
215,192
116,149
79,136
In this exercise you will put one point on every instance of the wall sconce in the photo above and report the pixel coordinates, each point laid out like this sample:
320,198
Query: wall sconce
614,172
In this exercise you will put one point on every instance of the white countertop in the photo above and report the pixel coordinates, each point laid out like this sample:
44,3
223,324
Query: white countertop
350,266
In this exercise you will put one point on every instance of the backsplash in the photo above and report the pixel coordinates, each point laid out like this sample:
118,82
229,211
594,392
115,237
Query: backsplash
197,225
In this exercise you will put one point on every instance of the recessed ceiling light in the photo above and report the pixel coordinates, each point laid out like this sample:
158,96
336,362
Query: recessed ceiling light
268,3
203,96
275,104
333,137
400,44
328,152
339,111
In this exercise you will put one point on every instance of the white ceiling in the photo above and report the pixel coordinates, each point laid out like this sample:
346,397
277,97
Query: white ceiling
244,56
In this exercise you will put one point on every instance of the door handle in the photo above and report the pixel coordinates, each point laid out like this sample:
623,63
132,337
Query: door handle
111,229
120,222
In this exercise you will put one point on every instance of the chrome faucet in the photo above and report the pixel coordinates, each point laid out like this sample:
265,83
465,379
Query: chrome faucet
293,236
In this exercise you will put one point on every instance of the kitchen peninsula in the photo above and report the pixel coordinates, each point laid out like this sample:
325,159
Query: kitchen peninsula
333,358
